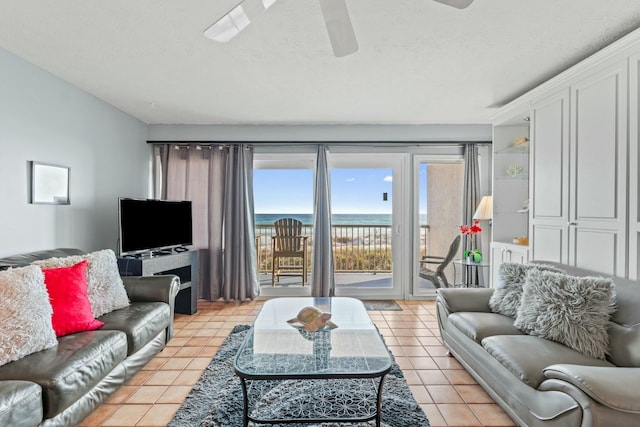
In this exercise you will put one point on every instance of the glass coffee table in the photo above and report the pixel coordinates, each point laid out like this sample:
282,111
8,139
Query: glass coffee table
332,375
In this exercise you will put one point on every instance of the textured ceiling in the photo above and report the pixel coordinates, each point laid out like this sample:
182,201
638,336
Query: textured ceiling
419,61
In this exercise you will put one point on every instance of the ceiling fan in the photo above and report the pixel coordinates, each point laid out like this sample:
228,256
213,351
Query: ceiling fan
335,13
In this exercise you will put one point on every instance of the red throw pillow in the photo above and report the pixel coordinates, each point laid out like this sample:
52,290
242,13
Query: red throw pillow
67,287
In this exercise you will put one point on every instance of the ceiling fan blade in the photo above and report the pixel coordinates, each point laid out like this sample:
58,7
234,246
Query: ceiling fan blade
460,4
339,27
237,19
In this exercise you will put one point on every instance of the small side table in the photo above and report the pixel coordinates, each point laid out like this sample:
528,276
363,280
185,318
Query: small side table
470,271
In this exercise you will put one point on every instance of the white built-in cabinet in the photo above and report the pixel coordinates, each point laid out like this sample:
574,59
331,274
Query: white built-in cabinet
584,158
579,173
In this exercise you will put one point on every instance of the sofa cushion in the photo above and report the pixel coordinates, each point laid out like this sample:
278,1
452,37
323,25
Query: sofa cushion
25,314
20,404
478,326
574,311
106,290
67,287
141,321
624,344
508,289
527,356
68,371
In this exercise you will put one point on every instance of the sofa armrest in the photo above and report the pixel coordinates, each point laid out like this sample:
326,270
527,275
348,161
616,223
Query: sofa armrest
615,387
465,299
160,288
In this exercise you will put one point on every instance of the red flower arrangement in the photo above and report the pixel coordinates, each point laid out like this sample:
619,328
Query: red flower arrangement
470,230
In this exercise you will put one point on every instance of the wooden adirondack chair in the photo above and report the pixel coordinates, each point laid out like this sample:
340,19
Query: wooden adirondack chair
288,243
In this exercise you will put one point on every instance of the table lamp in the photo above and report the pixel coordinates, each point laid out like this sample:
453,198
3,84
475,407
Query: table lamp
485,209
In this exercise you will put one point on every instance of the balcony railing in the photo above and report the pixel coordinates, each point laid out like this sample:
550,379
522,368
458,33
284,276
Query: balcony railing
356,248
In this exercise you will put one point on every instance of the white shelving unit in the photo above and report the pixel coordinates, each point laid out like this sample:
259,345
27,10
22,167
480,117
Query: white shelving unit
510,191
511,187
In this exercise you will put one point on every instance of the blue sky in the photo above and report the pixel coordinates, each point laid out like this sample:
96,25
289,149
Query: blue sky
353,191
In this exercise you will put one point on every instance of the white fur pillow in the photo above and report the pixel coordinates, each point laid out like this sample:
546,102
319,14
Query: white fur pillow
508,290
571,310
25,314
105,288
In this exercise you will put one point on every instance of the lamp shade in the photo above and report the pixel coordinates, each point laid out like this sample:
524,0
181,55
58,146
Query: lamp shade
485,208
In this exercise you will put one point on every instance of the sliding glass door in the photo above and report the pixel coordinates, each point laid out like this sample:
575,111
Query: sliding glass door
367,207
438,182
389,210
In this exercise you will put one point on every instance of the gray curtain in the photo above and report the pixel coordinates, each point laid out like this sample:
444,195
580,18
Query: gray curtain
471,194
218,181
323,283
240,260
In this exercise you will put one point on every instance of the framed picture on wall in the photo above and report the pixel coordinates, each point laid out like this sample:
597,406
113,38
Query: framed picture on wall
49,184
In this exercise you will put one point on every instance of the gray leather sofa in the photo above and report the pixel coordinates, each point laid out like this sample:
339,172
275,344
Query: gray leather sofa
543,383
62,385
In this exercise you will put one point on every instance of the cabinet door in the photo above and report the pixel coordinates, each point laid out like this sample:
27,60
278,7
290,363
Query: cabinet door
518,254
497,258
634,164
549,242
503,252
549,183
598,190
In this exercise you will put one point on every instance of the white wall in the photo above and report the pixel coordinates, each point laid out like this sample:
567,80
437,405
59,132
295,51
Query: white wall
46,119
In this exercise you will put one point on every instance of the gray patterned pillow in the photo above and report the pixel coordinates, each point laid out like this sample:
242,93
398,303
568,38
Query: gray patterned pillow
25,314
573,311
105,288
508,290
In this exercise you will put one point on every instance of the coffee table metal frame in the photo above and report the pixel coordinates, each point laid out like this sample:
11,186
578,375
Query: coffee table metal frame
349,321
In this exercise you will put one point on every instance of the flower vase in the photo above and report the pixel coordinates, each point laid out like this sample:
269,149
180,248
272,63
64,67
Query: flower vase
471,239
473,255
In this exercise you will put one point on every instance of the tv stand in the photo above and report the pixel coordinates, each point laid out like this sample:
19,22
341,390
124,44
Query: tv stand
182,264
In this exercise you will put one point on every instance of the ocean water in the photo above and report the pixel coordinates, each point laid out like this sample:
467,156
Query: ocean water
336,219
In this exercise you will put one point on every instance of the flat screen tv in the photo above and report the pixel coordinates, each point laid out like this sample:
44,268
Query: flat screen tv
148,225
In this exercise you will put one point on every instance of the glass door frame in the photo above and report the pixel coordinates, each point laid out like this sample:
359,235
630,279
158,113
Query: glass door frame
286,158
339,157
406,189
418,159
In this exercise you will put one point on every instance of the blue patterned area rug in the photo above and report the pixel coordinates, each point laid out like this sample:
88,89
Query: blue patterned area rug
216,399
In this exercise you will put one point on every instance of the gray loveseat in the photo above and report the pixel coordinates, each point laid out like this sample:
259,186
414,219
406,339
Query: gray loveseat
62,385
543,383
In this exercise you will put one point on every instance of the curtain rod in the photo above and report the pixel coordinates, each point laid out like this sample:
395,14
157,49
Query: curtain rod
389,144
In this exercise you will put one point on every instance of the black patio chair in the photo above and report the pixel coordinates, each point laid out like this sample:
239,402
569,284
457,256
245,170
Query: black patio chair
432,266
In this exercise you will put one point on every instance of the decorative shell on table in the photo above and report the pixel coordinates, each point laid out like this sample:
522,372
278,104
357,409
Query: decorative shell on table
312,319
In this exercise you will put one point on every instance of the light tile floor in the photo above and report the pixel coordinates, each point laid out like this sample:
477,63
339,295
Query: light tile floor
446,392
